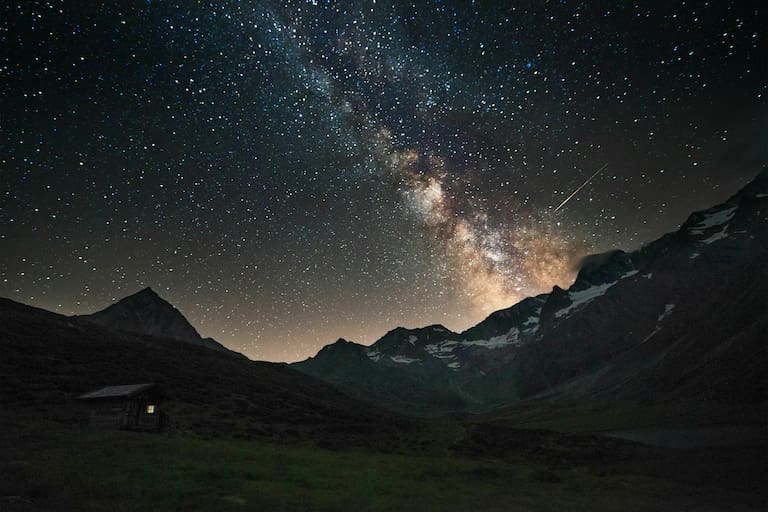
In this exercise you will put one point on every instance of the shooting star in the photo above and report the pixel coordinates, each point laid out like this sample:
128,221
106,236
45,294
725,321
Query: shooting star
581,187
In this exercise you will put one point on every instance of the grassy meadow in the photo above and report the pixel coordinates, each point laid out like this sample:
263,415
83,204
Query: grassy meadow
50,466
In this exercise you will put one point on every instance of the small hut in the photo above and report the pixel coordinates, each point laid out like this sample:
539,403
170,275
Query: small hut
130,407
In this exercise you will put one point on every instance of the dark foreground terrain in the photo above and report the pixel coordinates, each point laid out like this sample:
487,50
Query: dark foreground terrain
53,464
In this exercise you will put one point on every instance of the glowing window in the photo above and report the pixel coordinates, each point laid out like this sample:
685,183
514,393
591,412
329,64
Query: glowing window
150,409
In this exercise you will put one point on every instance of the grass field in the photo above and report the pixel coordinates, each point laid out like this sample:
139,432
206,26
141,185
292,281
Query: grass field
49,466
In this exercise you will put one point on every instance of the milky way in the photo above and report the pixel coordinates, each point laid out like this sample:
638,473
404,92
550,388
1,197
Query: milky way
287,173
495,267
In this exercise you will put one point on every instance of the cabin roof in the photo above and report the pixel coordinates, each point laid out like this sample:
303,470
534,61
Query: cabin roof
123,391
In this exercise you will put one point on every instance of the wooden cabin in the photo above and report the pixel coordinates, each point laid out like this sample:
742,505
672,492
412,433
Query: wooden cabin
129,407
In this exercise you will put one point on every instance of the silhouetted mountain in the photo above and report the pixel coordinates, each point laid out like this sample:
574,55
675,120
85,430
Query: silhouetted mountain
49,358
146,312
683,316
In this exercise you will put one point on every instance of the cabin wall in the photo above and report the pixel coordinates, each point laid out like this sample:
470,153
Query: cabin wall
148,421
108,414
129,414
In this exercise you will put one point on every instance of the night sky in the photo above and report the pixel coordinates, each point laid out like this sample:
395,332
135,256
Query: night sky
287,173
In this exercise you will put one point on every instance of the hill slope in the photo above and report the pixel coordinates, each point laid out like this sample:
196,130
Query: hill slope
49,358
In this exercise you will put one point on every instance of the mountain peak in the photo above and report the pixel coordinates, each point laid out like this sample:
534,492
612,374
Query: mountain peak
147,313
145,294
147,291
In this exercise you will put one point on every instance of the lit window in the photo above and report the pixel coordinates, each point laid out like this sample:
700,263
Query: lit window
150,409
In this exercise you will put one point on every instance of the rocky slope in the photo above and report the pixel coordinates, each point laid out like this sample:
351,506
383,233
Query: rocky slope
683,316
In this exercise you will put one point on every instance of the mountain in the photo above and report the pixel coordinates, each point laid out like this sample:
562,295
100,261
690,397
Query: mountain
146,312
47,359
682,317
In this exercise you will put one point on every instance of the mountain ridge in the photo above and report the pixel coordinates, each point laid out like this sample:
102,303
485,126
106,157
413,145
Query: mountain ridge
620,306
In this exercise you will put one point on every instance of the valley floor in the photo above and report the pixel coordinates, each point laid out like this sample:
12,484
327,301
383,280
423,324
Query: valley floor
50,466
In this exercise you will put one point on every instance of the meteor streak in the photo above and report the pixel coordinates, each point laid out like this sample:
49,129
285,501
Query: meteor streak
581,187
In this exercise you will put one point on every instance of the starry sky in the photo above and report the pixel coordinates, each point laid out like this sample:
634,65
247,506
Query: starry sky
287,173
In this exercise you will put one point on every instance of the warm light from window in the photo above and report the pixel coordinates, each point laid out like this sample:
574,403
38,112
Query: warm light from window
150,409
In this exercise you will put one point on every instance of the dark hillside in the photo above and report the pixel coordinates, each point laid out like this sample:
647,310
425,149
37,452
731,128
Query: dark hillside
48,359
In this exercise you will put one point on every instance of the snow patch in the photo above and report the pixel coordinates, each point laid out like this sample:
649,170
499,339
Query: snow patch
442,350
713,219
584,297
531,320
510,338
404,360
374,355
761,196
412,339
649,275
694,255
495,342
531,325
667,311
717,236
454,365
